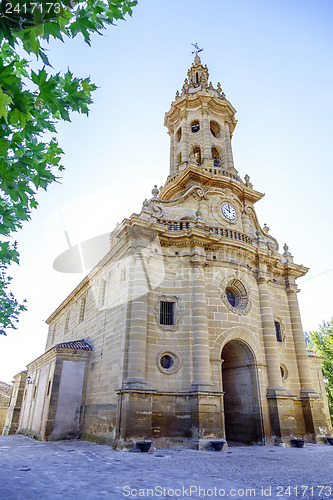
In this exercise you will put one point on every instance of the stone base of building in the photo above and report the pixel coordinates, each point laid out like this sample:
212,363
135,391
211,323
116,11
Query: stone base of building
193,419
186,416
298,417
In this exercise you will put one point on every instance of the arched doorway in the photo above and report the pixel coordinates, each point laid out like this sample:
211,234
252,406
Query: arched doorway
242,412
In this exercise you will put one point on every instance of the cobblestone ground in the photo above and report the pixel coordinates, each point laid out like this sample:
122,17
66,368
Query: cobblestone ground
32,470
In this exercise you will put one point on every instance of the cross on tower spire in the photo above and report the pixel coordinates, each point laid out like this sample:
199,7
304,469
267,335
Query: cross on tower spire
197,49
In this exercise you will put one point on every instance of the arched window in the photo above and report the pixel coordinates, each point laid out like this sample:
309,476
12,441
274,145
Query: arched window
215,129
216,156
179,134
195,126
197,154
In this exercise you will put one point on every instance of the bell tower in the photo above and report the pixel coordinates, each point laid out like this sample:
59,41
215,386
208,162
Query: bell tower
200,123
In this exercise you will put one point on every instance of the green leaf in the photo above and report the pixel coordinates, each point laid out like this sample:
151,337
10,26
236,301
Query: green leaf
5,100
44,58
53,29
83,24
4,145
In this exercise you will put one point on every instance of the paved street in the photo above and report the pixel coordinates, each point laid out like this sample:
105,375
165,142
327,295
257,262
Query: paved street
32,470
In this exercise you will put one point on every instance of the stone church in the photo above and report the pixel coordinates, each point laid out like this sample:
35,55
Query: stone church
189,328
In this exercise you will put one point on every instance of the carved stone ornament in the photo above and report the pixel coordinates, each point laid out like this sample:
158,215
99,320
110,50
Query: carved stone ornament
235,295
155,191
199,194
158,210
178,311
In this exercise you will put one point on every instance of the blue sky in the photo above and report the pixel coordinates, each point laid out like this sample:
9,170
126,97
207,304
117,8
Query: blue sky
274,61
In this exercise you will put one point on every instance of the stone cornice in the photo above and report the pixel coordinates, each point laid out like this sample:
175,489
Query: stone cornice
200,237
198,176
292,270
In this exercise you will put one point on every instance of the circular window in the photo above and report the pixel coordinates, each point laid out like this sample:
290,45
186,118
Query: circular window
236,294
195,126
167,361
284,372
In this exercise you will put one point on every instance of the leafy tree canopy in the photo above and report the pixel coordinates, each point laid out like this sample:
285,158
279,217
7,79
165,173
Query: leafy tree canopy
322,343
31,104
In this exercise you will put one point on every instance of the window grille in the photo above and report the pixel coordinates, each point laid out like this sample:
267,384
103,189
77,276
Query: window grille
167,362
231,298
167,313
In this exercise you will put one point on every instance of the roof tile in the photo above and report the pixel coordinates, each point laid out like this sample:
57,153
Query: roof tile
76,344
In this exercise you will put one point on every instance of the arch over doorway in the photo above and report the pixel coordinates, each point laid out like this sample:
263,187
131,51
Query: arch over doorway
242,412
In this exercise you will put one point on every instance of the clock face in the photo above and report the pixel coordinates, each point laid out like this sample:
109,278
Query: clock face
228,211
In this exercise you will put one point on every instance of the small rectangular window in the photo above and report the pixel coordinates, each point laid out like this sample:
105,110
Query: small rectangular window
278,331
167,312
48,388
35,392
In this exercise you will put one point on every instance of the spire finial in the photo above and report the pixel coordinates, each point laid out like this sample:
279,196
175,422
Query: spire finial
197,49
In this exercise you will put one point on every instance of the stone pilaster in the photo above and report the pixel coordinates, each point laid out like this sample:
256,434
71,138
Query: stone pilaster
173,160
245,223
184,140
267,321
299,341
206,147
312,404
137,328
201,358
280,404
228,150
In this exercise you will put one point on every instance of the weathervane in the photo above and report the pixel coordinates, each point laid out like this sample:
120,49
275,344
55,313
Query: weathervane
197,50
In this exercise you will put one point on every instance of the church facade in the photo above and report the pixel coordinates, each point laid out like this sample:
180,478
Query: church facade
189,328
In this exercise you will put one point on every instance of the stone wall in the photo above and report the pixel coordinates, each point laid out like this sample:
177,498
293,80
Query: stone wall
54,398
14,409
